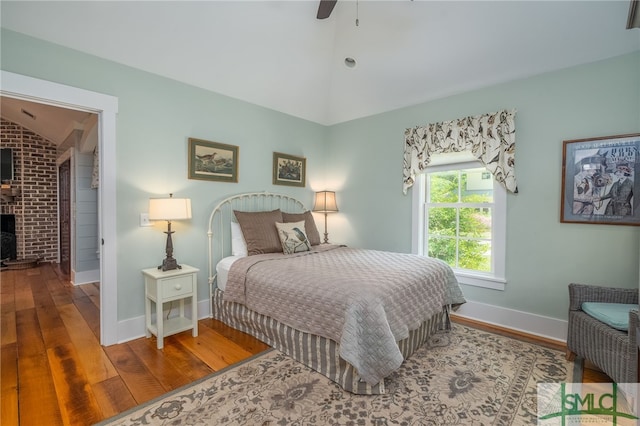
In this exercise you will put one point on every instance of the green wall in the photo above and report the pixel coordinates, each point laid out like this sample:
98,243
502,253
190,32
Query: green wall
155,119
543,255
362,161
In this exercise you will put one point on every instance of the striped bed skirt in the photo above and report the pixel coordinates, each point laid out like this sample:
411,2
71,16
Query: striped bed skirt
316,352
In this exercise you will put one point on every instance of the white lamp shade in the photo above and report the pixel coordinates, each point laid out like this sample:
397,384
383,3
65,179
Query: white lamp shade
325,202
169,208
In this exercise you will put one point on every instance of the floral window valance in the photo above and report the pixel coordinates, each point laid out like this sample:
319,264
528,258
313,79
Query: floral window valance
489,137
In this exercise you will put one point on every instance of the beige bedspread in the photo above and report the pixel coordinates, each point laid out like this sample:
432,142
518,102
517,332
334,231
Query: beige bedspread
365,300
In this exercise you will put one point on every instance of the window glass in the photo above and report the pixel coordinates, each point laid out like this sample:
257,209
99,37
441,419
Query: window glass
456,219
444,187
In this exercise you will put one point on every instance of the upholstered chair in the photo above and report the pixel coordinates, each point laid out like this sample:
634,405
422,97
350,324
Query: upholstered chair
614,351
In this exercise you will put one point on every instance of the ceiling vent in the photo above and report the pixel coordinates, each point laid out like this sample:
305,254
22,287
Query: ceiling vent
28,114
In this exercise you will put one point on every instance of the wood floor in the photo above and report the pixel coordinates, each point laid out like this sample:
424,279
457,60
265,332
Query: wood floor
54,371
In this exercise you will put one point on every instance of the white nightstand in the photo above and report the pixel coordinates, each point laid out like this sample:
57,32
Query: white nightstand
166,286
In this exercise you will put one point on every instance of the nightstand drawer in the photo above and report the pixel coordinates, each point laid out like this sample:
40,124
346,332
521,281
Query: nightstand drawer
177,286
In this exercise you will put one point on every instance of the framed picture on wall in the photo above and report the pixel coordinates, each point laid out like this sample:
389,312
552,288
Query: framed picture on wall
599,180
213,161
289,170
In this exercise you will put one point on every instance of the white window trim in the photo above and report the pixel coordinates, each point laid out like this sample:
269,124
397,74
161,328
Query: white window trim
495,281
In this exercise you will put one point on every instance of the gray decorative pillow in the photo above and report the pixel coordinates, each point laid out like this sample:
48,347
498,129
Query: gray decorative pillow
292,237
309,225
259,231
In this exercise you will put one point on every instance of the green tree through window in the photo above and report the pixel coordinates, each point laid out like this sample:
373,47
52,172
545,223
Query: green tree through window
459,212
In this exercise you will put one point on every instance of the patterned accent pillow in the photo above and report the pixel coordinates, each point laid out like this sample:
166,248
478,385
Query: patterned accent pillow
259,231
309,225
293,237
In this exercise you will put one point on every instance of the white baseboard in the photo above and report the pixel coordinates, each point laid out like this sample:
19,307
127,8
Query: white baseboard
85,277
134,328
550,328
131,329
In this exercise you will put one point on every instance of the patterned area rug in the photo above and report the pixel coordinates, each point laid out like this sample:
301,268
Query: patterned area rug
462,377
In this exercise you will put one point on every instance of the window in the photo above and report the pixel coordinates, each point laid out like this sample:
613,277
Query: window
460,218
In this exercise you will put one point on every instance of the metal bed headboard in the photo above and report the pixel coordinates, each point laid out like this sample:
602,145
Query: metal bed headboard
219,231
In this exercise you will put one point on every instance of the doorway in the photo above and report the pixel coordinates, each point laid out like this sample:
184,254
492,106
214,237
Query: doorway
106,106
64,209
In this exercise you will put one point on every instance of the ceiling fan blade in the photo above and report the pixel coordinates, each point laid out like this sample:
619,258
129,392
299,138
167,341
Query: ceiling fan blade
325,8
634,15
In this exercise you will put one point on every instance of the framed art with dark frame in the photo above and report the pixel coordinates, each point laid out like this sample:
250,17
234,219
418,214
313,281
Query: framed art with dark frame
599,180
289,170
213,161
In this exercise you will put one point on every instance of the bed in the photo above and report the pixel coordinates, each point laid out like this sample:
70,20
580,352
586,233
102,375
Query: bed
353,315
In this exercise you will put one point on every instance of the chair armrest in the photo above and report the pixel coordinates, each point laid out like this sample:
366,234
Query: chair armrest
580,293
634,325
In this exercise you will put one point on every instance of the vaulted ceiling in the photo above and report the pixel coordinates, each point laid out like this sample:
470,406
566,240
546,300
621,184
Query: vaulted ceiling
278,55
51,122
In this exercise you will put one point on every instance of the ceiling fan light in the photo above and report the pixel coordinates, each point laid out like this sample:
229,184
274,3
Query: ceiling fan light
350,62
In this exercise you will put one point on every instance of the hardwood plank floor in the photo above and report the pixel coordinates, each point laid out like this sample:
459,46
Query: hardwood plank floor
55,372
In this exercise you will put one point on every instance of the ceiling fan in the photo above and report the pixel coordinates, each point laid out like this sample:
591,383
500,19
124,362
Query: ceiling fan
325,8
632,22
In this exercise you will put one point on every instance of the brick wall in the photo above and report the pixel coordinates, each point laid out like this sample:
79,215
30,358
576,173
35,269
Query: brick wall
36,206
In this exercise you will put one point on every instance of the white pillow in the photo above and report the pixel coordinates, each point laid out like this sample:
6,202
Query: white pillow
222,270
293,237
238,245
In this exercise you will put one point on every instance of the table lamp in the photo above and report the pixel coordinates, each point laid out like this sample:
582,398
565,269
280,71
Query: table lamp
169,209
325,203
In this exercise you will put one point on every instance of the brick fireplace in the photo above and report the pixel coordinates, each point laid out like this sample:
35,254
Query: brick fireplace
35,205
8,247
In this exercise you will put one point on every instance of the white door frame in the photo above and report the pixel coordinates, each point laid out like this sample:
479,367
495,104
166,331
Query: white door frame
106,106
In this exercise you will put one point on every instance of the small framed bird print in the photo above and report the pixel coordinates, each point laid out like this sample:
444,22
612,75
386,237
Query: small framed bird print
213,161
289,170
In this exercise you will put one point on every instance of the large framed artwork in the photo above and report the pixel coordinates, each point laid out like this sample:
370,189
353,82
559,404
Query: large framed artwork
599,181
289,170
213,161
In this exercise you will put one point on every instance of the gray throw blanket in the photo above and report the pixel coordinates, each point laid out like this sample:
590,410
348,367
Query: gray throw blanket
365,300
